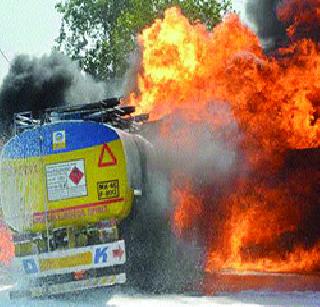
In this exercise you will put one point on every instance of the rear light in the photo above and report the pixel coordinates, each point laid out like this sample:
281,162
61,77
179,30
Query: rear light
80,275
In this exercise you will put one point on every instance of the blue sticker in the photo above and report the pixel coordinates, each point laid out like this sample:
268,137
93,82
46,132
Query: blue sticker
30,266
100,254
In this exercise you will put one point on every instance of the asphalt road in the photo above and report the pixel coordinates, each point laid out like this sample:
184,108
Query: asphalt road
117,297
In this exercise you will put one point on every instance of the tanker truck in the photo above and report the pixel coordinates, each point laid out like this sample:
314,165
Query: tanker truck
69,179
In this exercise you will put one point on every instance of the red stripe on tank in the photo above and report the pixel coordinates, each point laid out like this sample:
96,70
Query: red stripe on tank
38,215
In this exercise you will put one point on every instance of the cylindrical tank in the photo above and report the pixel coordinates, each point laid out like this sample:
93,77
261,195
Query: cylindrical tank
69,173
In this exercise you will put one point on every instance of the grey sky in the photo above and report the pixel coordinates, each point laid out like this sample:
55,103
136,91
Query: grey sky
238,5
31,26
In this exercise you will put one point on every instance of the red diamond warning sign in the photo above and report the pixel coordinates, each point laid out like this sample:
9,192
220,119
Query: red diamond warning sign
76,175
66,180
106,158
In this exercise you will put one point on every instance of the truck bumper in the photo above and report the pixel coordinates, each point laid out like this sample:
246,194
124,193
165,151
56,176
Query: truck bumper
72,260
57,272
67,287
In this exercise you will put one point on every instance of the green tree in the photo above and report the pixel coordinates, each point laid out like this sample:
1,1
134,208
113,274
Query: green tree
100,34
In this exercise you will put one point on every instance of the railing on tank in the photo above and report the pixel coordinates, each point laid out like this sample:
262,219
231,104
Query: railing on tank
24,121
109,111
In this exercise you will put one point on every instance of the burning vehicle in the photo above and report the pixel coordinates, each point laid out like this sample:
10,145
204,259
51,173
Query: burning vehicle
68,180
237,134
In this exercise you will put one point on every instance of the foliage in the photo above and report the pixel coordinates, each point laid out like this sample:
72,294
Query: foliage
100,34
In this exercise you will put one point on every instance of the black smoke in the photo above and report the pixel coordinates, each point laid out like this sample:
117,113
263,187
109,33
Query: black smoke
262,14
33,84
280,22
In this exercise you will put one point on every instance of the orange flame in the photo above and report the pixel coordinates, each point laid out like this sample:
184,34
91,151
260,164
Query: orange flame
186,203
7,251
274,101
302,17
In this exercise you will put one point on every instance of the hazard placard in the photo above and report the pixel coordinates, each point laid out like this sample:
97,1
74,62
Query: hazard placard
66,180
106,158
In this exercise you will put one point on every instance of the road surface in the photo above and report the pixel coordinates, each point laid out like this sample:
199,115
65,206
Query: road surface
116,297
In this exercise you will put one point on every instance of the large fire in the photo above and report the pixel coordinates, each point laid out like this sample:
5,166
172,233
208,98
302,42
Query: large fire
257,215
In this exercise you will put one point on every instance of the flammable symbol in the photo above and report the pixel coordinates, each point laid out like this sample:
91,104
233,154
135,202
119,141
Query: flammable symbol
76,175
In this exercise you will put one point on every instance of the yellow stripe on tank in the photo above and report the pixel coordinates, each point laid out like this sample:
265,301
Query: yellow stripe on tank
65,262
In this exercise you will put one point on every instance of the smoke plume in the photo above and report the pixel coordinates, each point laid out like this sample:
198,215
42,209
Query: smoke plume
185,156
263,14
279,22
33,84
